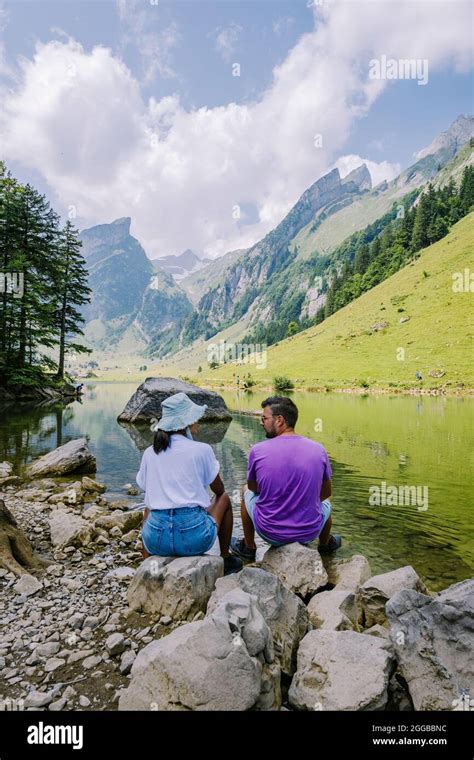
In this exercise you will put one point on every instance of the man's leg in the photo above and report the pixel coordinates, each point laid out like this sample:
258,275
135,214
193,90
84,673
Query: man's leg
247,524
326,532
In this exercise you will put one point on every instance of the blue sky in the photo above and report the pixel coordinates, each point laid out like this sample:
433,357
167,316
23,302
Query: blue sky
179,54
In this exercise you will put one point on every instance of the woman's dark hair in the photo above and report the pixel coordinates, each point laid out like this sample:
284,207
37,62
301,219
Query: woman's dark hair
284,406
162,440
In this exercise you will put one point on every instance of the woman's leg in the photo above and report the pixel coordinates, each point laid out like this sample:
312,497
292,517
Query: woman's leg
221,511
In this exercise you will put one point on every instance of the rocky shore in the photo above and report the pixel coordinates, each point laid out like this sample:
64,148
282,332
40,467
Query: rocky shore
102,629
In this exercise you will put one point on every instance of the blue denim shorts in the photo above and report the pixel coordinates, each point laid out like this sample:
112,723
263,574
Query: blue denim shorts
181,532
251,499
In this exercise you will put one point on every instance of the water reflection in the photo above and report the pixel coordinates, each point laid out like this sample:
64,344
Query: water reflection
400,441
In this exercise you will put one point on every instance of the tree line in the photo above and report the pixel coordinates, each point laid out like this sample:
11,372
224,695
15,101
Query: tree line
401,240
43,285
365,258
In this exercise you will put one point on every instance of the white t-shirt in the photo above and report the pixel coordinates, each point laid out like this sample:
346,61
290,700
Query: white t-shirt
178,476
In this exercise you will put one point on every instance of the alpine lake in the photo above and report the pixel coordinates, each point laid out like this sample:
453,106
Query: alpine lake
402,465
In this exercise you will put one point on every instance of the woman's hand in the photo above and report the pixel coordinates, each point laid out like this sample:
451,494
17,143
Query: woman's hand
145,515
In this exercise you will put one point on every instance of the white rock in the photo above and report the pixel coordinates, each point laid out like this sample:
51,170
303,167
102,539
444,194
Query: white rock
57,706
298,567
48,649
175,587
70,457
128,658
68,529
121,573
350,573
213,664
341,670
333,610
27,585
375,592
53,664
91,662
115,643
433,639
284,612
38,699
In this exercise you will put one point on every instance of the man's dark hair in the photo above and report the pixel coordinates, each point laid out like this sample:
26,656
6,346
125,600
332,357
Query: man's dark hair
284,406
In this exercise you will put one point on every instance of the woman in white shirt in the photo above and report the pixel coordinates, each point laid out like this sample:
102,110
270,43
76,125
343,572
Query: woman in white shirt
175,473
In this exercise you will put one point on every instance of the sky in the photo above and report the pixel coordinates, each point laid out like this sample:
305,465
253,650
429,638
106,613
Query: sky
205,120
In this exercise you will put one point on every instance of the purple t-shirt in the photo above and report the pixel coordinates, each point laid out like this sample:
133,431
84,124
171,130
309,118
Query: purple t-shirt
289,471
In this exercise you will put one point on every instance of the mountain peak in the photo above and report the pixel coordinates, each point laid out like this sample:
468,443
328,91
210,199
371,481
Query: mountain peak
360,177
453,138
109,234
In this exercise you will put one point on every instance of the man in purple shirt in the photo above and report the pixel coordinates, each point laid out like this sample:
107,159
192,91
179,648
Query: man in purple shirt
288,486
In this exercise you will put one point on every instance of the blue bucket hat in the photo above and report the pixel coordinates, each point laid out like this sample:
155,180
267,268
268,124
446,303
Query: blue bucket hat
178,412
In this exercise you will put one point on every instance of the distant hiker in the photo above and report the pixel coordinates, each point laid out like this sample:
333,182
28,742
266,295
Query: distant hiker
418,376
79,389
288,486
175,473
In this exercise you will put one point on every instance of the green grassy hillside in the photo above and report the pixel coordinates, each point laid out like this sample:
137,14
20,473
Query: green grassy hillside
366,342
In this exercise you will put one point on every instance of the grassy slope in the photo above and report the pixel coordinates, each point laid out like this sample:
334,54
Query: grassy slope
343,350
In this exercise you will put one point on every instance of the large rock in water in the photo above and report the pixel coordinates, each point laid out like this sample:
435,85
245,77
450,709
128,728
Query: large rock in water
146,401
74,456
433,639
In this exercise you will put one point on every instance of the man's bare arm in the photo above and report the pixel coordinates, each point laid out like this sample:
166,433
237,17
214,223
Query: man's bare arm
252,486
326,490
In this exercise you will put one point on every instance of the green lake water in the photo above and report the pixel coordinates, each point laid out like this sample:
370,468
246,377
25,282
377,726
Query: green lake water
423,442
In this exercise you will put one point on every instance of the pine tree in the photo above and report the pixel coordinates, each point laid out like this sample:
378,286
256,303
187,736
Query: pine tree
73,290
419,237
466,192
362,259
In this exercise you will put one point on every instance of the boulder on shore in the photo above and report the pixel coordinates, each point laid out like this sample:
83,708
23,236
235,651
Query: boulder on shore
224,662
341,670
298,567
145,403
175,586
74,456
284,612
433,639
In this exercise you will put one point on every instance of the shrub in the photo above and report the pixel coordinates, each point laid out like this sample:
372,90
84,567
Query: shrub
283,383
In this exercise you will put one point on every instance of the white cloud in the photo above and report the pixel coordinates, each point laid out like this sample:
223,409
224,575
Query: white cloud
140,28
227,40
79,118
378,171
282,24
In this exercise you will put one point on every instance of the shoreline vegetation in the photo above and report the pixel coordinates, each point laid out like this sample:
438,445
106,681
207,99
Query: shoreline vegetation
379,389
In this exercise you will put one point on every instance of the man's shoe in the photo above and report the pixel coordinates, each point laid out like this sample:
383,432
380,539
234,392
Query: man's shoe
242,550
232,565
332,545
